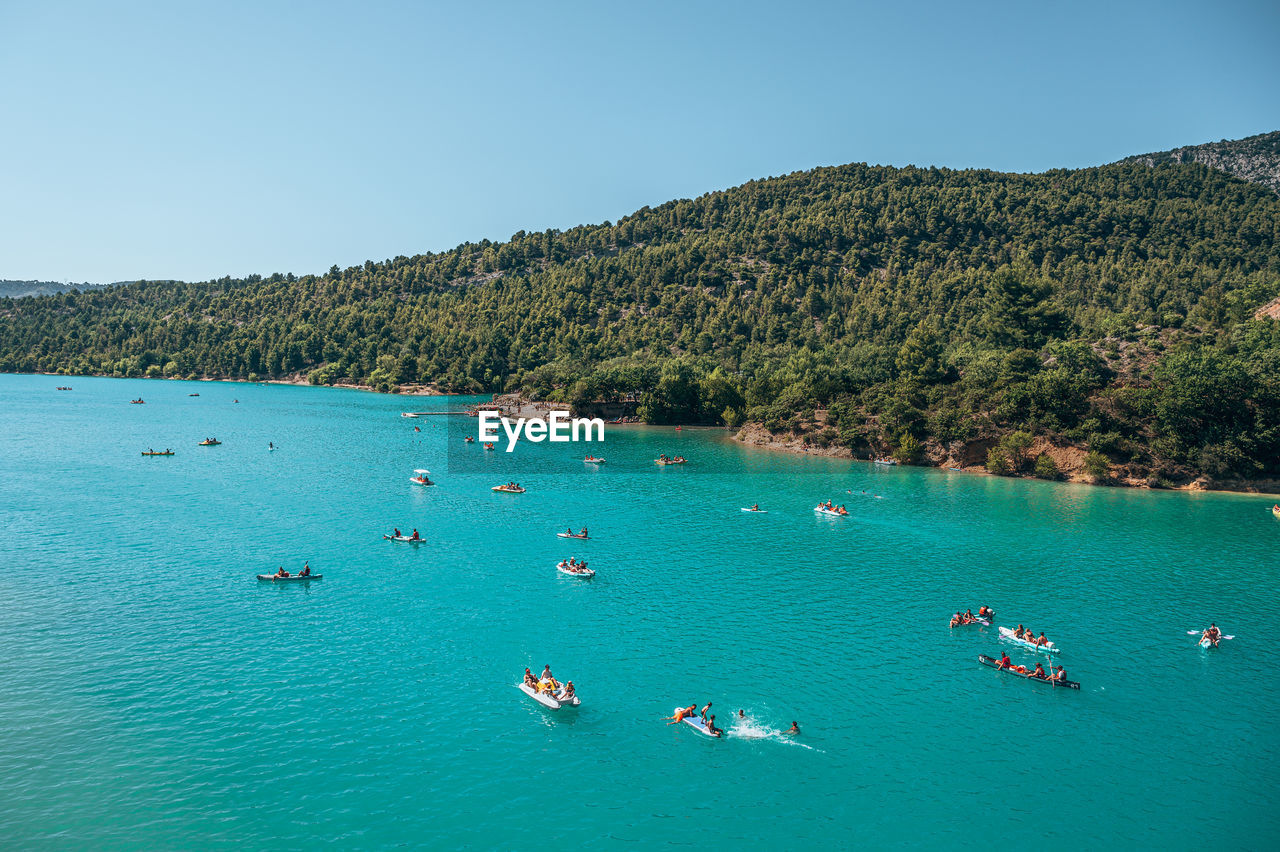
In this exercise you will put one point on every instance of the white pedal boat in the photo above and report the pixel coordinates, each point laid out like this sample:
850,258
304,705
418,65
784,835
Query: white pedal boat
552,701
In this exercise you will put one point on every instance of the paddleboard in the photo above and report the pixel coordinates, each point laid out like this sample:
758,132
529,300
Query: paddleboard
696,723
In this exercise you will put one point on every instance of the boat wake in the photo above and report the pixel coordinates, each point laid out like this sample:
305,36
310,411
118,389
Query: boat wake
749,729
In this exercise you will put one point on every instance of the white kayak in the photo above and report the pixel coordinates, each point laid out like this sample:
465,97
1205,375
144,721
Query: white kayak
571,535
292,578
756,511
593,461
405,538
552,701
564,568
696,723
1007,633
824,511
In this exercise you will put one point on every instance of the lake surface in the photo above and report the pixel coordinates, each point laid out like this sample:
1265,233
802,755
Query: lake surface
155,695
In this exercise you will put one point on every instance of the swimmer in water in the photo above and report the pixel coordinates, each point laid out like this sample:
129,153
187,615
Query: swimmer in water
795,728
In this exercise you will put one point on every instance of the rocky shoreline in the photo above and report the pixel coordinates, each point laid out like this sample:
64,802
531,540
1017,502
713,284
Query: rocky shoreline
969,457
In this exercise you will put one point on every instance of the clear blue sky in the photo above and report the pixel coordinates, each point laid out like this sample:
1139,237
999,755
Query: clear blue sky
177,140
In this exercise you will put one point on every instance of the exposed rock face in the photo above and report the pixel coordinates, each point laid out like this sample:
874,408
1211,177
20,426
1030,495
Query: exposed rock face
1255,159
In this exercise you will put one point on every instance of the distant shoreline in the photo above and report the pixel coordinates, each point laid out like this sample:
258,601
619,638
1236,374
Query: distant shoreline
795,447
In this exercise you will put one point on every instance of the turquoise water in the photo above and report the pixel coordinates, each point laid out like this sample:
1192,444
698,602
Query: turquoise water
155,695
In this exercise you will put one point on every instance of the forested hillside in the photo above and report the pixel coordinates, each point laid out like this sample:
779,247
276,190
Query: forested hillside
1255,158
919,310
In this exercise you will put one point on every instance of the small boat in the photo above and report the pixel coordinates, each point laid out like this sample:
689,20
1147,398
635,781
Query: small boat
193,394
584,573
550,700
470,440
573,535
153,453
508,489
138,401
488,446
995,664
405,538
757,511
62,388
696,723
592,460
209,442
676,460
886,461
422,478
1007,633
292,578
976,620
823,510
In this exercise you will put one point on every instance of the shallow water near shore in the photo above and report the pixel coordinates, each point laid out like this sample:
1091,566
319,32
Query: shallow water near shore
157,695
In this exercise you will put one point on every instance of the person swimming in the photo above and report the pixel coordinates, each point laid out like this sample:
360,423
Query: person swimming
794,729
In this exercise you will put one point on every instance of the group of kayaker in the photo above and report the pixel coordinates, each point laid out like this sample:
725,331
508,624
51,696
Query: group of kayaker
1211,634
1028,635
412,536
575,567
547,683
708,718
1038,672
829,507
305,572
967,617
512,486
569,532
663,458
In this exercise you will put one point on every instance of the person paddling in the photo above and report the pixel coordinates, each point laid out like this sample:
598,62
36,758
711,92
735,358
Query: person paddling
1005,662
1212,633
985,611
1039,672
1058,674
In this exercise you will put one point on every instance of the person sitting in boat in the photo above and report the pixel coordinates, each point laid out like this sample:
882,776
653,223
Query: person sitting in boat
842,510
1019,631
583,533
968,616
682,713
282,572
546,673
955,620
395,532
306,571
1039,672
1004,662
755,507
415,536
985,612
1058,674
529,680
566,694
1212,633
